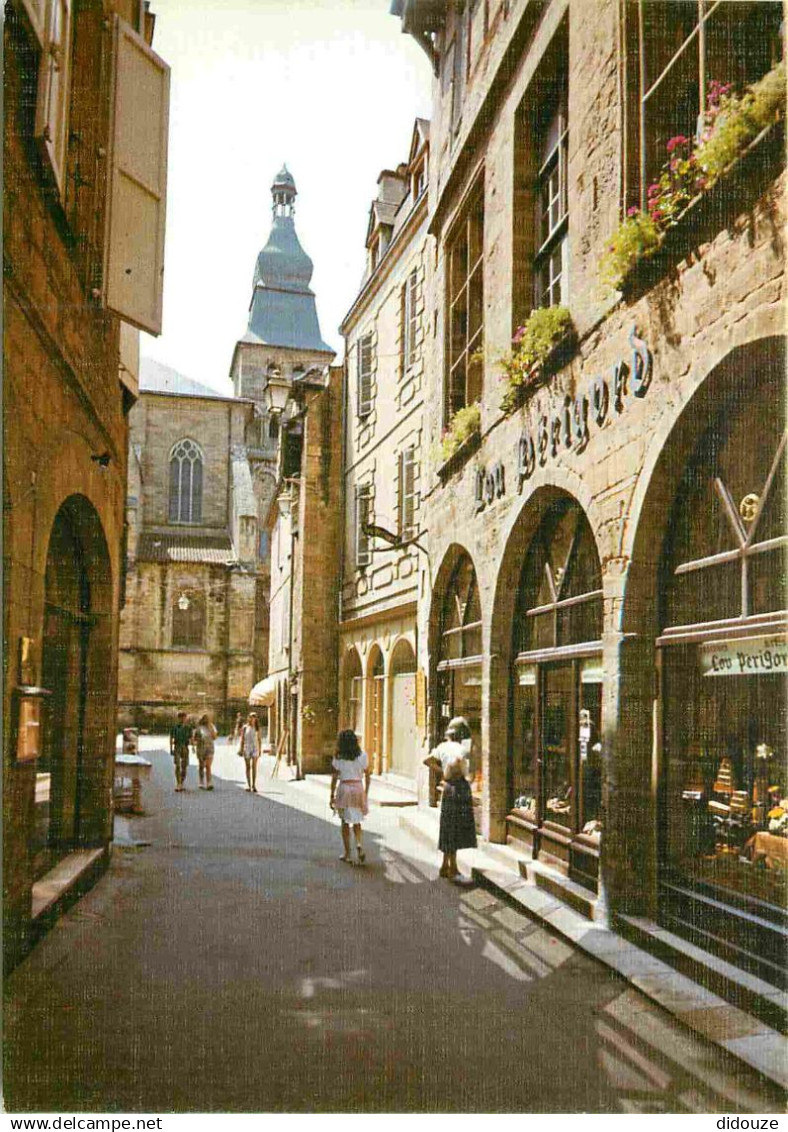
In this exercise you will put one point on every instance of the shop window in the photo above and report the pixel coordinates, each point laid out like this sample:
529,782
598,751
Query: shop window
410,322
406,493
552,207
188,622
684,49
724,662
364,365
186,482
363,517
465,261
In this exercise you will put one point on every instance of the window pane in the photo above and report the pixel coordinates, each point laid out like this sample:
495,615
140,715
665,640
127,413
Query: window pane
525,766
556,744
196,498
666,25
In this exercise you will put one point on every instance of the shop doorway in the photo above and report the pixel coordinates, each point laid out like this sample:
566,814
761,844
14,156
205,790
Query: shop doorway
405,748
376,674
555,755
70,808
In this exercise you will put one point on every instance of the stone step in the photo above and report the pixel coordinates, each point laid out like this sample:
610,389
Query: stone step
743,989
580,899
62,879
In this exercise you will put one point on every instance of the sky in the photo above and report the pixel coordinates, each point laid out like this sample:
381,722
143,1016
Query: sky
329,87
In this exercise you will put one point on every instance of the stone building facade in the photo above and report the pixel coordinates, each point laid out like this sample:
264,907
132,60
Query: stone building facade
194,632
85,132
383,453
608,550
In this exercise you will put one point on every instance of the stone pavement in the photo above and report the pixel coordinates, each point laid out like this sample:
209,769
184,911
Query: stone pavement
234,964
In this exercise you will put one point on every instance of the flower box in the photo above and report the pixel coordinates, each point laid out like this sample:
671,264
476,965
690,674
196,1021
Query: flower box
459,457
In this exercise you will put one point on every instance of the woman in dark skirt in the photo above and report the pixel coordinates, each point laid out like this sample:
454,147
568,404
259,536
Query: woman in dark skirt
457,828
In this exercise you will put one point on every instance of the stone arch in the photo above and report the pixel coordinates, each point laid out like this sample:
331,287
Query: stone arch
76,657
500,679
351,692
375,707
403,742
666,460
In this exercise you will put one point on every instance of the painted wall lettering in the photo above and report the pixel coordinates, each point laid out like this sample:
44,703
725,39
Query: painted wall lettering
569,426
490,485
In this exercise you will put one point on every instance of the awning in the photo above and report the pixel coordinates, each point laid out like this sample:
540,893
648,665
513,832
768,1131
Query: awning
264,693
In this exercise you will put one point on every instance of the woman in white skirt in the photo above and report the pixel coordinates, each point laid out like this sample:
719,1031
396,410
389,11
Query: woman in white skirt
349,789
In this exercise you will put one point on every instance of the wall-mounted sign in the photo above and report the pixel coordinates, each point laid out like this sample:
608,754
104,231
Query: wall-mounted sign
758,656
568,426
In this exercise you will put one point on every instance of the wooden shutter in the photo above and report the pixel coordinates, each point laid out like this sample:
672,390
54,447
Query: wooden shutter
54,76
364,363
36,12
410,313
406,493
134,246
363,555
129,359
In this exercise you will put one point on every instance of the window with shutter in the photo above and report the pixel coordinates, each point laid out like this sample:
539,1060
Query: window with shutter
363,510
54,76
364,364
409,321
134,246
407,494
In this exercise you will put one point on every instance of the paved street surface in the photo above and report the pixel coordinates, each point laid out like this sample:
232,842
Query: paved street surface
235,964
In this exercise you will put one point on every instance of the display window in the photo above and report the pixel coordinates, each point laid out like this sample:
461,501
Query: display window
723,659
555,760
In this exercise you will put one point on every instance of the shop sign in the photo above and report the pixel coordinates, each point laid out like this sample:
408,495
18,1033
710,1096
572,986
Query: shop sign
569,426
754,657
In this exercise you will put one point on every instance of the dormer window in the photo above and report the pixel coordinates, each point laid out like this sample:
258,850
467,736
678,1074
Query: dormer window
418,181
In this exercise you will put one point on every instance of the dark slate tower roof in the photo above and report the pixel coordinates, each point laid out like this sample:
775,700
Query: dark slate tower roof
282,311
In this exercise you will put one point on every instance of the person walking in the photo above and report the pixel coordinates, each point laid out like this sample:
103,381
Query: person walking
204,737
349,791
457,827
180,736
249,748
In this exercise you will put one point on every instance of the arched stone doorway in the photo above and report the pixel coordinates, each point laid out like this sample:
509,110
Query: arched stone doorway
456,646
554,755
74,773
375,708
352,718
403,742
707,590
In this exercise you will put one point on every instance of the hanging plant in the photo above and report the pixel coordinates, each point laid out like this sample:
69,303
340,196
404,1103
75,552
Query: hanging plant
461,427
544,330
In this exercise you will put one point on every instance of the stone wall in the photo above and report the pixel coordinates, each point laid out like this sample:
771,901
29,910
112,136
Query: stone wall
62,405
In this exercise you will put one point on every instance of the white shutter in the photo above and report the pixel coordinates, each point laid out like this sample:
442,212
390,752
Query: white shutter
36,11
54,74
364,365
134,248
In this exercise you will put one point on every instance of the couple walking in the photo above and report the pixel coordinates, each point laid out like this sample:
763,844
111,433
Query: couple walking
202,738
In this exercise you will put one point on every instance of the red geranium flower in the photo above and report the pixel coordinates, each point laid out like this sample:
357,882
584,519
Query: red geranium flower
675,142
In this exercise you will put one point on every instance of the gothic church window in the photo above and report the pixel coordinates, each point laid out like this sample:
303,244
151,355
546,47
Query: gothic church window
186,476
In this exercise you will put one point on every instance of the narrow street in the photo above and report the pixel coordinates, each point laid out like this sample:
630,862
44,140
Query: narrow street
234,964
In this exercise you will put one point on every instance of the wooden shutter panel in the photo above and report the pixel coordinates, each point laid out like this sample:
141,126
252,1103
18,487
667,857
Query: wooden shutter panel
365,375
134,248
363,555
54,75
36,11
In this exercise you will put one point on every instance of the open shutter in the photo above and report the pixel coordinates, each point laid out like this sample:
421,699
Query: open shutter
54,75
134,247
36,11
363,556
364,359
